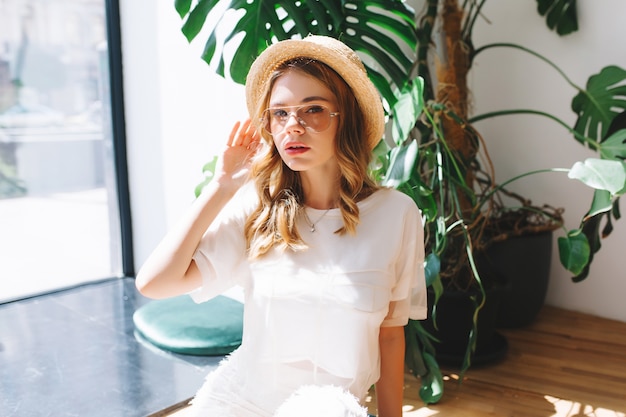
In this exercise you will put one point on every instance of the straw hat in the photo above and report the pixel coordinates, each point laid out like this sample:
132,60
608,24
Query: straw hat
336,55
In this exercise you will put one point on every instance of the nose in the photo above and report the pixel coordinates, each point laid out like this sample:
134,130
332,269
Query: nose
294,124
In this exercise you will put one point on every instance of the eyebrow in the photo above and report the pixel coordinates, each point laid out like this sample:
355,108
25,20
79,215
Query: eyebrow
304,101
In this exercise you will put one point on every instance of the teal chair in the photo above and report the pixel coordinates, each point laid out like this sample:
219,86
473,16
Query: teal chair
178,324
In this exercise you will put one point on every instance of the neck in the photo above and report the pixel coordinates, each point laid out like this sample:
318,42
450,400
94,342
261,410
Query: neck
321,192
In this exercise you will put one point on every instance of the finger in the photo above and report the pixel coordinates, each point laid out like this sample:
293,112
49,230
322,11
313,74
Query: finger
233,134
239,133
255,143
244,133
251,136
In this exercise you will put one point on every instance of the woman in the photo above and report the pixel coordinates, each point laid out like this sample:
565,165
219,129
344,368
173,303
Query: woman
330,263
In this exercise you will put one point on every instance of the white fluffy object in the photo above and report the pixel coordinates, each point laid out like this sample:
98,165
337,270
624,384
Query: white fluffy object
321,401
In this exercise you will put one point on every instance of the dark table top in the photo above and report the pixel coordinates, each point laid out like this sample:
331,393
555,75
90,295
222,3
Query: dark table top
75,353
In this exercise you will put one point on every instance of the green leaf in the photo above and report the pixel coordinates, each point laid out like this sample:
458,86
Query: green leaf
432,268
601,207
616,211
209,171
614,147
591,229
420,360
407,110
427,203
196,18
422,195
601,174
380,162
560,14
431,390
402,163
574,251
601,203
413,355
383,86
381,29
602,100
437,286
182,7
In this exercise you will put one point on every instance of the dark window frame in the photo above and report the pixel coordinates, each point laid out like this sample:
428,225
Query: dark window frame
116,81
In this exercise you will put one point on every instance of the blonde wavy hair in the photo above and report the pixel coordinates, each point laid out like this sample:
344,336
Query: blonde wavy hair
281,198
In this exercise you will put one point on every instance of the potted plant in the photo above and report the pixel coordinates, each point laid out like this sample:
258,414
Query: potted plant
432,151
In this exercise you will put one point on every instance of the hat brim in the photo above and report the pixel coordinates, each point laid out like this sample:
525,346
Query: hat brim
337,56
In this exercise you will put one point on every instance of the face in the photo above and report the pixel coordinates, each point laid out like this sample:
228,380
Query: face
300,148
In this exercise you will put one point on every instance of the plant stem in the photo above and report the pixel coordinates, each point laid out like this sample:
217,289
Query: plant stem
439,134
471,19
525,174
424,34
583,139
530,51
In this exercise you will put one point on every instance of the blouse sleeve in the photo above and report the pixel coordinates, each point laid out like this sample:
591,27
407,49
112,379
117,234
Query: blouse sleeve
221,255
408,296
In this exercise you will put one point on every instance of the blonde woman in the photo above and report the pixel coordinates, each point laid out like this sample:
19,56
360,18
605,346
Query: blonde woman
330,263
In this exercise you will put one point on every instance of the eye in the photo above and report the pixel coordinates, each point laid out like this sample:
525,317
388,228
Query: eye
314,109
279,113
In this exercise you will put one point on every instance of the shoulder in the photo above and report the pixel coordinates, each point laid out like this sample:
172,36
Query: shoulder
390,199
247,197
240,206
390,205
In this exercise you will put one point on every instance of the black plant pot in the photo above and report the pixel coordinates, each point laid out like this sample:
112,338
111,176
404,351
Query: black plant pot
524,263
455,310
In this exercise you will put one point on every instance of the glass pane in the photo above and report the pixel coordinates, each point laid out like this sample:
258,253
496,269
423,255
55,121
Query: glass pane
59,222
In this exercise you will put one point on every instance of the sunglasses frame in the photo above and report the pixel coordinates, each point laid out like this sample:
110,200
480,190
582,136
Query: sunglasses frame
294,112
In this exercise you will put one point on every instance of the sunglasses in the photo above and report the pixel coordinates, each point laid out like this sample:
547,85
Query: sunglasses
313,117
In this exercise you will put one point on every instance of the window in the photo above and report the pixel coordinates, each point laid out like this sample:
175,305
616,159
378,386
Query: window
59,174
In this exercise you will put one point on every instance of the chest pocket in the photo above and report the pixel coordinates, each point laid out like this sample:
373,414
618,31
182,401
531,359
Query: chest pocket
366,291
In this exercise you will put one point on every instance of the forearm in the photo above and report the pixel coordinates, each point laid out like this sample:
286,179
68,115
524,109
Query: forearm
169,271
389,388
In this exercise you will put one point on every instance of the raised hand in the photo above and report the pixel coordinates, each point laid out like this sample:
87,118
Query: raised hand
234,163
170,269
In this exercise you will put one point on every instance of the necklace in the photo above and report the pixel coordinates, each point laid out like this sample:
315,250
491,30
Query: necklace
312,224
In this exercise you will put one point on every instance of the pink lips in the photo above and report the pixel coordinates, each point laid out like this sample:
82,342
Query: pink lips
295,148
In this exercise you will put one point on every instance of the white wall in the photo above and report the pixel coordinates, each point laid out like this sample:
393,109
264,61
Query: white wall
178,112
504,79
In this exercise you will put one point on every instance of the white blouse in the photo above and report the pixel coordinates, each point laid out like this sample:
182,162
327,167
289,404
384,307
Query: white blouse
313,317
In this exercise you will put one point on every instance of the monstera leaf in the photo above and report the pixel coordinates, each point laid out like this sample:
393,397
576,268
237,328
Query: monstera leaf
560,15
602,100
608,177
614,146
380,30
601,174
578,248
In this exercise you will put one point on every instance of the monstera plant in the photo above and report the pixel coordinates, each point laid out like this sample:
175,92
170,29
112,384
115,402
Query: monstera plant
432,151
